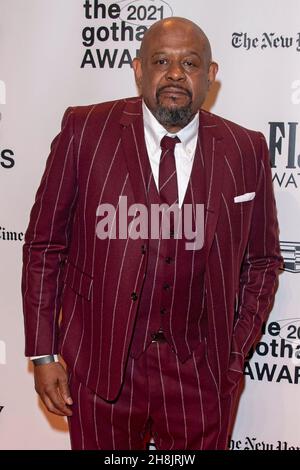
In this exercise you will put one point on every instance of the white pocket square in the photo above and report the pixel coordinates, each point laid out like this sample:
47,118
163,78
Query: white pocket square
244,197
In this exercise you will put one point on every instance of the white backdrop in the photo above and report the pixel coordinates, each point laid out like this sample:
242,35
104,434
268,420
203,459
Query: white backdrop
61,53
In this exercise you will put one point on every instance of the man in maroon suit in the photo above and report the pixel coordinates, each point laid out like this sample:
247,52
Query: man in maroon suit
154,333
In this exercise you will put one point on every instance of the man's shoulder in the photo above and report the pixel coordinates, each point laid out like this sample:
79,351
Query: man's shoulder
102,110
229,128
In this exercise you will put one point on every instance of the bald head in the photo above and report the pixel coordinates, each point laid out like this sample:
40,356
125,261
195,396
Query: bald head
169,25
174,71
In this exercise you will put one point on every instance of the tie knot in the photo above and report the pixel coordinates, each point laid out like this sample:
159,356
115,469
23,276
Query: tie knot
167,142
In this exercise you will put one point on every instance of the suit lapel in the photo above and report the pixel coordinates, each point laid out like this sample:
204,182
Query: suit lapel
134,147
211,142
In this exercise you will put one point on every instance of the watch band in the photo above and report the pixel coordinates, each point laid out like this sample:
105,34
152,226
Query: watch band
43,360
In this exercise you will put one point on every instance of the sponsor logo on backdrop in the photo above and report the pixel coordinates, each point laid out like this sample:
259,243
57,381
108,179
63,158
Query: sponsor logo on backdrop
2,352
291,255
2,92
253,443
10,235
120,23
295,97
285,154
265,41
7,160
276,357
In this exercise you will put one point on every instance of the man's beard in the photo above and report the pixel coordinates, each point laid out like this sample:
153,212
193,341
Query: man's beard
169,117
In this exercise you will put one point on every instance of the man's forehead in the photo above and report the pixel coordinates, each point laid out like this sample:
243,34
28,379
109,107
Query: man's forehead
175,51
173,41
174,33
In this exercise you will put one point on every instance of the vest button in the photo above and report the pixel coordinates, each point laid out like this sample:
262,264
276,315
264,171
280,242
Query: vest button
134,296
158,337
167,286
168,260
163,311
143,249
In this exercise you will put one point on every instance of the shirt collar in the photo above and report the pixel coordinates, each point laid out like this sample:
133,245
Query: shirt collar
154,132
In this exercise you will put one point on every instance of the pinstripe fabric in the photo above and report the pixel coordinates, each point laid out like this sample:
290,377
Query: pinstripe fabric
95,159
175,403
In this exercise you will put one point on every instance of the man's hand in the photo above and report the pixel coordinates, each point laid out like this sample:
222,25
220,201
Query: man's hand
51,383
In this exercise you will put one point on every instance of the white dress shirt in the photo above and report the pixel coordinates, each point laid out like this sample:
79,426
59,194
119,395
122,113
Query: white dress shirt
184,151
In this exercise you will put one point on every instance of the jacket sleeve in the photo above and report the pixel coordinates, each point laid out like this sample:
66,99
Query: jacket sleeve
260,267
46,244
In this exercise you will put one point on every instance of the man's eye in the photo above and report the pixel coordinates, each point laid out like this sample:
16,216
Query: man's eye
161,61
188,63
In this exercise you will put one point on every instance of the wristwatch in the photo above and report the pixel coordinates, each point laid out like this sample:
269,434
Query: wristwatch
44,360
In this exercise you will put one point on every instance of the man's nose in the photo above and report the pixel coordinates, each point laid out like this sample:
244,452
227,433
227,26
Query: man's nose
175,72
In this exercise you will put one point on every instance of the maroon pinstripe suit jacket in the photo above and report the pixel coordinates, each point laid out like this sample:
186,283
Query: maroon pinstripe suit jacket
94,160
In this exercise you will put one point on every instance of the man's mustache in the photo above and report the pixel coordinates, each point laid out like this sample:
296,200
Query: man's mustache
166,87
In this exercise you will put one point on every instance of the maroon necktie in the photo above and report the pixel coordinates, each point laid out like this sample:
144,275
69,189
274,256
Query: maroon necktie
168,189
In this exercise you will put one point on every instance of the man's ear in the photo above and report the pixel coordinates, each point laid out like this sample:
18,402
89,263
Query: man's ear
137,67
212,72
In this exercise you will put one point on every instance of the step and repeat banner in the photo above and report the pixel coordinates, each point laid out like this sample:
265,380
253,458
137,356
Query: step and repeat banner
63,53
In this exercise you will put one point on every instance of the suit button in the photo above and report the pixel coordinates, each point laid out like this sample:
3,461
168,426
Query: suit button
143,249
134,296
168,260
163,311
167,286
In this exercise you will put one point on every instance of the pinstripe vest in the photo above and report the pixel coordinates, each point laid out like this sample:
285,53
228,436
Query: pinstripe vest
172,297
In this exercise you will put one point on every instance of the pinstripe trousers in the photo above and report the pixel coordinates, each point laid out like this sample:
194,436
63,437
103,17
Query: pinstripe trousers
176,403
